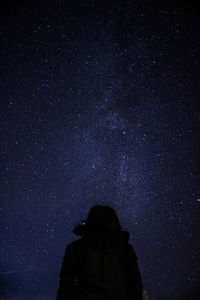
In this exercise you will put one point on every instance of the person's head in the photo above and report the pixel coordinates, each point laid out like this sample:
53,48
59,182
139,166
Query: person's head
103,215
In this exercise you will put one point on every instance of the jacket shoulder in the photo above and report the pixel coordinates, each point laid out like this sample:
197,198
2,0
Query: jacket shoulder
74,244
131,252
71,247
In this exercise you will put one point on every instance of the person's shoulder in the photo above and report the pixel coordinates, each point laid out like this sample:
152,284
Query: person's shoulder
76,247
131,251
75,244
130,246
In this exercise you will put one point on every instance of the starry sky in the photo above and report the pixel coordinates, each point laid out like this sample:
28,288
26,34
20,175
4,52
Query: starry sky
99,105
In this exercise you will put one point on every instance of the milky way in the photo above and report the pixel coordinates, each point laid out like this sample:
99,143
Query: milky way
99,104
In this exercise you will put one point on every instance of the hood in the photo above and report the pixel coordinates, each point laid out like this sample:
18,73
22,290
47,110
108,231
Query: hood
101,232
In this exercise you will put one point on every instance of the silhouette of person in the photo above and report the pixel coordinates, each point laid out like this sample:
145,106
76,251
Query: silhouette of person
102,264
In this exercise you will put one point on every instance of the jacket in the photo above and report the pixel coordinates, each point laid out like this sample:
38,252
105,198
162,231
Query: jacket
100,265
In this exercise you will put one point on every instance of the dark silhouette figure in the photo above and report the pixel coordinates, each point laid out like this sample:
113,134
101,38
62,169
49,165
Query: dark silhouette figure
102,264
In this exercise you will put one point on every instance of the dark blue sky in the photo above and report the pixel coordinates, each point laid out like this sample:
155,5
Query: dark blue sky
99,104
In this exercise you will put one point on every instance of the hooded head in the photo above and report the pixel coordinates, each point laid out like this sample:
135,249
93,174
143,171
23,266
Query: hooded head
103,216
101,219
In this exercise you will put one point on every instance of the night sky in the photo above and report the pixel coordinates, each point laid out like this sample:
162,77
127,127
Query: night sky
99,105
